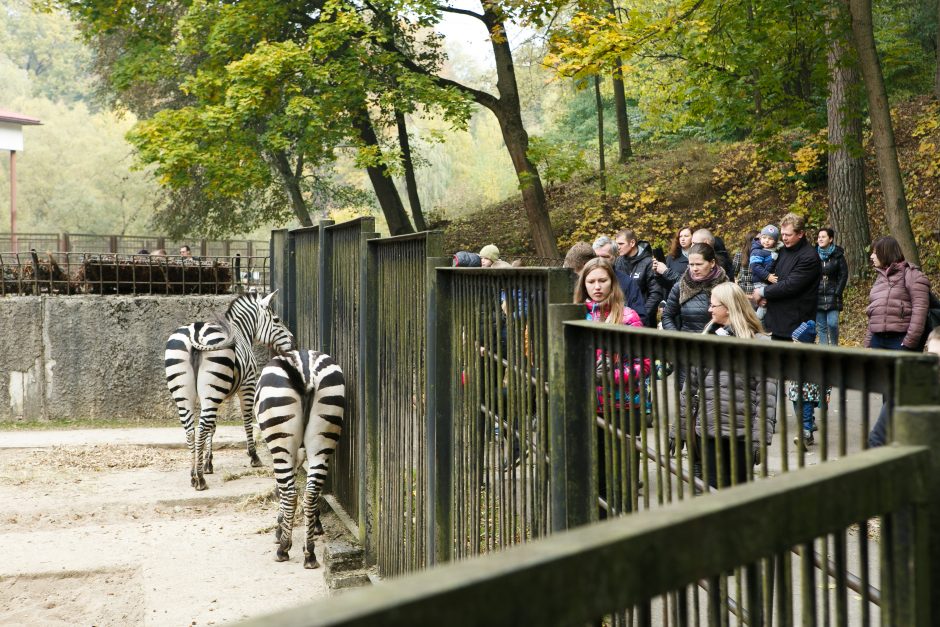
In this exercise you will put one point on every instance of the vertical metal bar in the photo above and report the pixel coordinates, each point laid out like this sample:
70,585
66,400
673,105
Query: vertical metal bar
440,366
920,426
325,288
368,394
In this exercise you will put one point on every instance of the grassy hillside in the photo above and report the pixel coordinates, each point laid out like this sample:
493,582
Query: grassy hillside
730,188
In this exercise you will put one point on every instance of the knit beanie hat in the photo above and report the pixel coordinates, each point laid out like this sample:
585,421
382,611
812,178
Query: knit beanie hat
771,230
490,252
805,333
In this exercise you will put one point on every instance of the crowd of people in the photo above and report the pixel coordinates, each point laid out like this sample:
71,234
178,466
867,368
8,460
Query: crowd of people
777,286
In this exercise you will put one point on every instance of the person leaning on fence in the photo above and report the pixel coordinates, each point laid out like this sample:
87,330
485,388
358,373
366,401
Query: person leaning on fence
582,252
731,437
617,376
898,301
878,436
489,258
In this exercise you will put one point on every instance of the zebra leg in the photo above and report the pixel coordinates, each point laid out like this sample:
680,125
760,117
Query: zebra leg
207,420
246,399
312,514
285,518
181,382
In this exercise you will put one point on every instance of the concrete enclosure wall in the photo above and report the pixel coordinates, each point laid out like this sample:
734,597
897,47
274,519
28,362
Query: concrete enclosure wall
93,357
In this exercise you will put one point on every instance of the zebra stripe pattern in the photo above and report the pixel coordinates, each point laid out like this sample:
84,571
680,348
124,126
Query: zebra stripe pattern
300,403
207,363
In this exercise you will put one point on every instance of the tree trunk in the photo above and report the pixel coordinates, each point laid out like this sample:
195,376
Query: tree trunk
847,207
600,136
936,79
291,179
623,121
889,171
509,115
755,73
410,183
385,190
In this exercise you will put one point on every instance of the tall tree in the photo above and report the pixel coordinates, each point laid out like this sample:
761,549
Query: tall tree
623,120
846,171
506,107
411,184
602,164
889,170
936,79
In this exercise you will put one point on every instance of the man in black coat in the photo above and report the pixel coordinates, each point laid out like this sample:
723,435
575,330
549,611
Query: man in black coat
792,292
636,261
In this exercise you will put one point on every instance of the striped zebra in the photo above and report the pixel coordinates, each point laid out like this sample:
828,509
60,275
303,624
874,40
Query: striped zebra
208,362
300,402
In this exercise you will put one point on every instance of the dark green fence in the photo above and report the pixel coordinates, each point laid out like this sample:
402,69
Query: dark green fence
307,262
491,405
532,421
584,576
393,399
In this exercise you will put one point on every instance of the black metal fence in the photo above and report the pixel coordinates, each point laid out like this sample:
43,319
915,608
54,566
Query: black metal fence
86,273
536,422
398,505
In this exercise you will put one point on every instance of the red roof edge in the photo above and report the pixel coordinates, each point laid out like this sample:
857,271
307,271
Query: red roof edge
17,118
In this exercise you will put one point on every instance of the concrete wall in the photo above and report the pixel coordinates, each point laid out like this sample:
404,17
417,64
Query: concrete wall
92,357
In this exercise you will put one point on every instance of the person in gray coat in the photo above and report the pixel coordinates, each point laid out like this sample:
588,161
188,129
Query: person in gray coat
729,441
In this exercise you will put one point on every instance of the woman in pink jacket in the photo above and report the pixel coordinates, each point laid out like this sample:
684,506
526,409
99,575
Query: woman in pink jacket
899,299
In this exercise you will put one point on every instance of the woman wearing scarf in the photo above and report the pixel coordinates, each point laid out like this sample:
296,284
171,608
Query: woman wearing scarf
835,275
687,304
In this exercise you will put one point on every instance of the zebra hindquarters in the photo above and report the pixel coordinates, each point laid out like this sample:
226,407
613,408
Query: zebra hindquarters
279,408
323,430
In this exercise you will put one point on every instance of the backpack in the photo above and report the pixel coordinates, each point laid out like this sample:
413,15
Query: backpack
933,313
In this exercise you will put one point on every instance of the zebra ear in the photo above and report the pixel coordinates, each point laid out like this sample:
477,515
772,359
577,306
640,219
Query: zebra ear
266,301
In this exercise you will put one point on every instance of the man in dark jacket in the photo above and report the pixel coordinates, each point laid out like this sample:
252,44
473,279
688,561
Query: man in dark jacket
704,236
636,261
793,290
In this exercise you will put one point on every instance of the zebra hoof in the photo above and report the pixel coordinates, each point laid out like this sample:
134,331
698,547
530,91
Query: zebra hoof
318,528
200,484
255,460
208,469
311,562
281,556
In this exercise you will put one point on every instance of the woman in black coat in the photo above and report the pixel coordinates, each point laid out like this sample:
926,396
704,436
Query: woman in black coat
687,304
835,275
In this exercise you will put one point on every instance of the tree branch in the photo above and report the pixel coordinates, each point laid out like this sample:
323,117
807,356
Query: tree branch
466,12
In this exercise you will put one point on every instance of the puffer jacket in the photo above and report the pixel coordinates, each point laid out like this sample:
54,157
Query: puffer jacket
898,303
690,315
675,268
835,275
718,385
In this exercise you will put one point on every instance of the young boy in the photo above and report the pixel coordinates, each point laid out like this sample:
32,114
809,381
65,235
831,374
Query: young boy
808,396
878,436
763,256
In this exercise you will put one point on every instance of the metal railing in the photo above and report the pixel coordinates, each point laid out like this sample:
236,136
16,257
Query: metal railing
734,403
394,346
24,274
529,415
340,328
585,576
491,338
128,244
306,251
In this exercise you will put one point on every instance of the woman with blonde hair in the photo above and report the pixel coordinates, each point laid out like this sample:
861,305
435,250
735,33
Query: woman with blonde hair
722,434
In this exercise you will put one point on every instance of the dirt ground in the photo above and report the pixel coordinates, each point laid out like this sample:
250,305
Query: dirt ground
114,535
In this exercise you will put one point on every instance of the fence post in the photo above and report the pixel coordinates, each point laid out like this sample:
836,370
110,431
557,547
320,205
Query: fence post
571,425
368,394
916,381
920,426
439,364
325,288
113,244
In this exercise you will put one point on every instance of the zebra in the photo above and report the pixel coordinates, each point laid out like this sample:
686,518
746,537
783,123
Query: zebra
300,403
209,362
